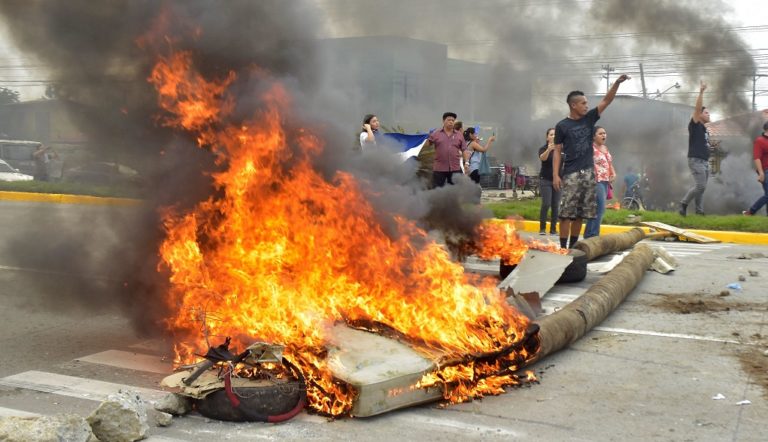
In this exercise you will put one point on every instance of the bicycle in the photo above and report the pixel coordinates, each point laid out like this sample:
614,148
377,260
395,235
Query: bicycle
635,199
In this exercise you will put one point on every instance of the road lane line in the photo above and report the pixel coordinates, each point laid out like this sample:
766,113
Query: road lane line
667,335
72,386
132,361
448,423
8,412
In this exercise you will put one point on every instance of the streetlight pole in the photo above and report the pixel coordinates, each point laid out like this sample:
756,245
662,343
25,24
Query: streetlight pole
659,94
608,69
755,76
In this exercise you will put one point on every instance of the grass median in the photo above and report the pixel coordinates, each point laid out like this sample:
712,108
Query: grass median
529,210
525,208
64,188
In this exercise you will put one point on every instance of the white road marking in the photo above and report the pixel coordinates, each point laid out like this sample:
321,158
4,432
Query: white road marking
7,412
561,297
132,361
469,428
150,345
668,335
71,386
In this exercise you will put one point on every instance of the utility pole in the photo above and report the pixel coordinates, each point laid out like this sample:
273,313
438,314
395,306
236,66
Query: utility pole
755,76
642,81
608,69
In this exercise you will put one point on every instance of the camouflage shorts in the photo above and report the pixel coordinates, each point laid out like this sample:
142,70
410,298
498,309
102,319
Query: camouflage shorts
579,198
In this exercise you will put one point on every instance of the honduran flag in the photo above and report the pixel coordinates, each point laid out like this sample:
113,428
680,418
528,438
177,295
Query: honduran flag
410,145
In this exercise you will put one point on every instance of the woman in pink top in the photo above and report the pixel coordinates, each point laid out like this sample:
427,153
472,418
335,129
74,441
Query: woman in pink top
604,175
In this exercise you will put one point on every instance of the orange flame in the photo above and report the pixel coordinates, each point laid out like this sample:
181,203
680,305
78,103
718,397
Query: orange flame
282,253
499,239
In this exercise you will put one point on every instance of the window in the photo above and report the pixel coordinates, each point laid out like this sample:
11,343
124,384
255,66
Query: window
18,153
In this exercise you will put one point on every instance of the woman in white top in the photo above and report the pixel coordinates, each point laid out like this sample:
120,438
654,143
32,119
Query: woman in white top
370,131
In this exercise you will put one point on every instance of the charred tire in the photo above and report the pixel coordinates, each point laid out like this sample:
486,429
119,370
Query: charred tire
256,402
505,269
577,269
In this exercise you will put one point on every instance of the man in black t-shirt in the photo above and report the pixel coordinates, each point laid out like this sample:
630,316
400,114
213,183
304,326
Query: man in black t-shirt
573,149
698,155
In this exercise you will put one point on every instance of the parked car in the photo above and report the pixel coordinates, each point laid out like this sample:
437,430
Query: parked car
19,154
101,173
8,173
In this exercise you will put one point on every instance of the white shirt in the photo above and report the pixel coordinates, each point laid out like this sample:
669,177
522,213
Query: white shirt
364,140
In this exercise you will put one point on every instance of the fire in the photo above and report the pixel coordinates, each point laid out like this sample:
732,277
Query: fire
499,239
281,253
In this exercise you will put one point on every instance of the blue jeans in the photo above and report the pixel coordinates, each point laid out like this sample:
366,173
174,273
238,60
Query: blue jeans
593,224
762,200
700,171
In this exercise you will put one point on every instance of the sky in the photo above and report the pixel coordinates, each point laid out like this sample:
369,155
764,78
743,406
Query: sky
23,73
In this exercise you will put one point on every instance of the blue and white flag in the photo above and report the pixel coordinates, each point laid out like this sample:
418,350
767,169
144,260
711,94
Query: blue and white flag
410,145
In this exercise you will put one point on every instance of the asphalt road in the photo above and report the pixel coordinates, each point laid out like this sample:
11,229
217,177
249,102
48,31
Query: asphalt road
649,372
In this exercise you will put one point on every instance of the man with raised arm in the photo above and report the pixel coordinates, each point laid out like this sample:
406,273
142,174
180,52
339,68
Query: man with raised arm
573,151
698,155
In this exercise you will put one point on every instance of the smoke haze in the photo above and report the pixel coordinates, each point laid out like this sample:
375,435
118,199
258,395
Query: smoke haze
100,64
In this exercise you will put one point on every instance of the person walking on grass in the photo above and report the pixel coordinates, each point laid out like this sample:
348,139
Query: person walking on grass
573,149
760,155
698,155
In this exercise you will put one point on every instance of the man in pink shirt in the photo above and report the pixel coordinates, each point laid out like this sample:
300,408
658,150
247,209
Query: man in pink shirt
449,151
760,156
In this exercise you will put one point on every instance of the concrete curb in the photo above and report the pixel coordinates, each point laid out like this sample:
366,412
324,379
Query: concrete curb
67,199
723,236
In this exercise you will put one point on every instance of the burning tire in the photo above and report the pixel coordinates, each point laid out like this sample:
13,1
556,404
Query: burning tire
264,402
577,269
505,269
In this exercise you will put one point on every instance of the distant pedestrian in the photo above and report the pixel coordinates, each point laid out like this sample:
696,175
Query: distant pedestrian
760,155
550,198
370,132
698,155
604,176
573,149
630,178
449,151
43,156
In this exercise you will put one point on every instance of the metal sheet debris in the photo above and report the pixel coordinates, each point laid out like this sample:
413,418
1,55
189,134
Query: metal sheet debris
536,273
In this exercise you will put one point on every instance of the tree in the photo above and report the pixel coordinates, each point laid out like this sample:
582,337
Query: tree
8,96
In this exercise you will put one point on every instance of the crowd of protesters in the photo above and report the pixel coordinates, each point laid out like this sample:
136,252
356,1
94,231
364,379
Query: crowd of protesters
577,173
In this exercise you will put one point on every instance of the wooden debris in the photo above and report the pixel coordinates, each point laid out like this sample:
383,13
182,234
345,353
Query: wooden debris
680,233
